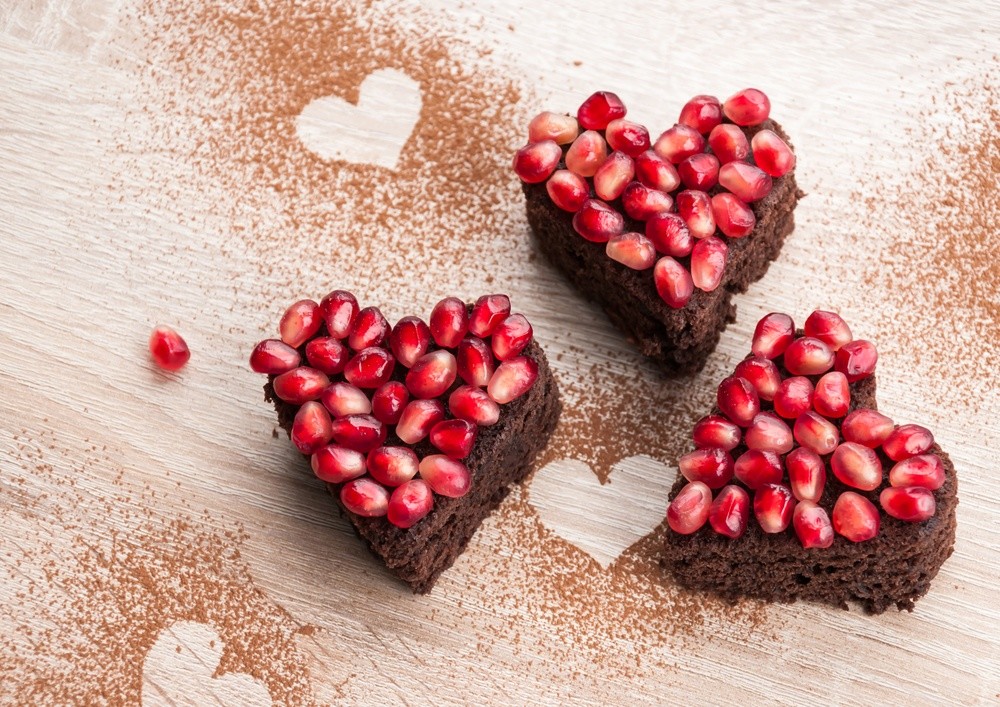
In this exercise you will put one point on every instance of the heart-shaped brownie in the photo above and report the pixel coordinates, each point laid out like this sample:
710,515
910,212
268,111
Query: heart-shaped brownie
662,234
800,488
418,429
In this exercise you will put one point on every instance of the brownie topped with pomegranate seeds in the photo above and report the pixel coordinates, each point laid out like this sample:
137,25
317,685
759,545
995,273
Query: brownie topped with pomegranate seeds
800,489
419,429
662,234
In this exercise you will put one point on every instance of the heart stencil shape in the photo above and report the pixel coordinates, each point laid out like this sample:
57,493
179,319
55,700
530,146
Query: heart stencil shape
372,132
180,669
603,520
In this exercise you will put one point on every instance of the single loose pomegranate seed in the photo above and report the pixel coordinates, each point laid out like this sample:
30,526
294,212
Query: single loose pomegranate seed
678,143
713,467
370,329
454,437
364,497
907,441
587,153
866,427
300,385
728,143
690,508
924,470
628,137
673,282
535,162
700,171
446,476
812,525
655,172
597,222
832,397
856,359
343,399
732,216
449,321
763,375
757,469
857,466
807,356
600,109
361,433
339,310
769,433
912,504
169,351
738,400
409,340
410,503
370,367
773,334
773,505
335,464
561,129
392,466
487,313
613,176
311,428
632,250
272,356
475,361
715,431
568,191
474,405
730,512
772,154
418,417
806,473
512,379
855,517
388,402
747,107
747,182
829,328
701,113
794,397
815,432
300,322
432,374
708,263
511,337
642,203
669,235
327,354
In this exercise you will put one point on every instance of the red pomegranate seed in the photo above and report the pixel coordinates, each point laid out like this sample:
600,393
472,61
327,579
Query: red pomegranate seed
561,129
454,437
712,467
487,313
669,235
613,176
794,397
833,395
632,250
773,505
512,379
474,405
829,328
924,470
449,321
708,263
587,153
857,466
392,466
855,517
673,282
701,113
747,182
747,107
866,427
856,359
773,334
655,172
763,375
912,504
339,310
535,162
409,340
806,473
327,354
600,109
370,329
678,143
690,508
311,428
343,399
388,402
769,433
728,143
300,385
475,361
757,469
169,351
361,433
446,476
730,512
700,171
715,431
300,322
815,432
568,191
628,137
738,400
418,417
335,465
642,203
812,525
273,357
597,222
772,154
907,441
410,503
732,216
370,368
807,356
364,497
432,374
511,337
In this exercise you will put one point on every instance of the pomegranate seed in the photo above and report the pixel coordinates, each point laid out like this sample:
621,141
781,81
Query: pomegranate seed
738,400
747,107
370,329
272,356
907,441
695,207
454,437
561,129
793,397
701,113
613,176
512,379
773,505
370,368
335,465
343,399
763,375
474,405
715,431
597,222
769,433
632,250
730,512
669,235
432,374
806,473
912,504
446,476
732,216
410,503
418,417
855,517
364,497
449,322
327,354
833,395
747,182
169,351
300,322
924,470
300,385
866,427
361,433
568,191
700,171
388,402
857,466
655,172
856,359
311,428
511,337
815,432
628,137
642,203
812,525
673,282
587,153
690,508
392,466
728,143
678,143
487,313
409,340
829,328
600,109
475,361
708,262
757,469
772,154
339,310
712,467
807,356
535,162
773,334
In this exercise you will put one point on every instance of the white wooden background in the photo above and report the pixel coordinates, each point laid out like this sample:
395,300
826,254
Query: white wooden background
86,269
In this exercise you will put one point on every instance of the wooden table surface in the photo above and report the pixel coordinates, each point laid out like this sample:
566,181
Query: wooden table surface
159,544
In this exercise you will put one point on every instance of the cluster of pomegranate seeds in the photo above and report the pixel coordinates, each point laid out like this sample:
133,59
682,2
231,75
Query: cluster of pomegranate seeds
784,420
367,391
703,173
168,350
